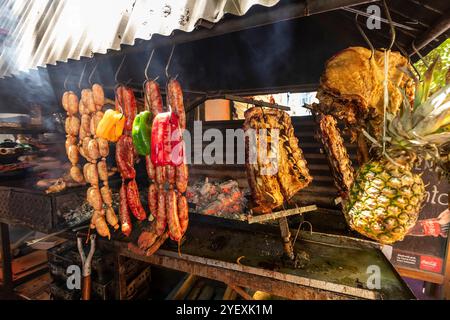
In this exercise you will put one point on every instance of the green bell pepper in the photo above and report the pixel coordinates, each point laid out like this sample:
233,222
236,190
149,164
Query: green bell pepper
141,133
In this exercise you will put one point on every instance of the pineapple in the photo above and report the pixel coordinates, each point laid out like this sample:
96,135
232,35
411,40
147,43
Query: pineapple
384,201
386,197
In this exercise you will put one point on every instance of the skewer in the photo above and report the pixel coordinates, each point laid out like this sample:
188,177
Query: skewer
281,214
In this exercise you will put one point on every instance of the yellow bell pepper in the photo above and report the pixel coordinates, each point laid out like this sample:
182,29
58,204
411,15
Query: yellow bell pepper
111,125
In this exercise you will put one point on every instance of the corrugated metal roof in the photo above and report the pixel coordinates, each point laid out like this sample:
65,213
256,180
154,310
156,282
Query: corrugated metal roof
39,32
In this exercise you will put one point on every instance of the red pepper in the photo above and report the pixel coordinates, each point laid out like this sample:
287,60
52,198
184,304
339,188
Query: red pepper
166,137
160,152
177,144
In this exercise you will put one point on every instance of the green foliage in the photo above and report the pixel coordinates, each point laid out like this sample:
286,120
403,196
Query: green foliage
441,71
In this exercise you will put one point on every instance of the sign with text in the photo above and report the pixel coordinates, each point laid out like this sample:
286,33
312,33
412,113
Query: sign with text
425,246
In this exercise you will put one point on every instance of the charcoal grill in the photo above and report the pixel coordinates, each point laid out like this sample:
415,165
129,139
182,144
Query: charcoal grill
22,205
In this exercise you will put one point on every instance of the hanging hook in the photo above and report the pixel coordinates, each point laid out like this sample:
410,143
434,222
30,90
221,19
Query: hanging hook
92,73
405,54
65,80
419,54
361,31
81,76
168,62
120,67
148,63
391,25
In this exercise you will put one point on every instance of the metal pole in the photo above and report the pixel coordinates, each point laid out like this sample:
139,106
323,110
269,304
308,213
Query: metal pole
441,26
6,258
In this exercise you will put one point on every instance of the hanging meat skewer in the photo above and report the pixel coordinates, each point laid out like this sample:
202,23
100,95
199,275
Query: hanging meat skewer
72,127
89,149
101,146
166,166
179,171
125,156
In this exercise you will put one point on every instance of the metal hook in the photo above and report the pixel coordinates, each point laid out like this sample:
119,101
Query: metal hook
419,54
65,80
391,24
92,73
148,63
298,230
120,67
168,62
361,31
81,76
405,54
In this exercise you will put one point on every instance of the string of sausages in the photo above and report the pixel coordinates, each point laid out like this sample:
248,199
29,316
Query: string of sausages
166,201
125,158
72,127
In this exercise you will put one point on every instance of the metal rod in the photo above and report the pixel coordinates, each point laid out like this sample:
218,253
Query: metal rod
391,25
441,26
365,14
280,214
258,103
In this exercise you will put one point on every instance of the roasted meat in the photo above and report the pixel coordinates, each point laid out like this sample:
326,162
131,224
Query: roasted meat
351,87
276,168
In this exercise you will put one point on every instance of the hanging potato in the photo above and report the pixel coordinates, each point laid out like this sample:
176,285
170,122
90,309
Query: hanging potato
94,198
93,152
111,218
85,122
82,108
72,125
103,147
88,99
73,154
106,195
102,169
76,174
99,96
70,140
90,173
65,101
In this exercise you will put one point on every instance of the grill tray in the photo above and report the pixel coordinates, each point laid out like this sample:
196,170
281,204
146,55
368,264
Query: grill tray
32,208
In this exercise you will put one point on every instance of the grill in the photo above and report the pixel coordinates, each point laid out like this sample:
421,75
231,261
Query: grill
40,211
37,210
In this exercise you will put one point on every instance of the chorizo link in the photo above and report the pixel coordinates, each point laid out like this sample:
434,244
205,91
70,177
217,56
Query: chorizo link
170,174
183,212
160,174
153,99
153,200
161,217
175,100
124,213
172,215
125,157
182,177
150,167
134,201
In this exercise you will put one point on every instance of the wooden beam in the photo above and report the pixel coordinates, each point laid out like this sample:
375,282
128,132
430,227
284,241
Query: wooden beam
241,292
183,290
6,258
442,25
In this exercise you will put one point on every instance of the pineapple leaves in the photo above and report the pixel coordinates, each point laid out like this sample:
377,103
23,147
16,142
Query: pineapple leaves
423,88
433,114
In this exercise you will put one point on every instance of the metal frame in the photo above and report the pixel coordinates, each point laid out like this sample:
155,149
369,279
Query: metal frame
9,284
283,285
